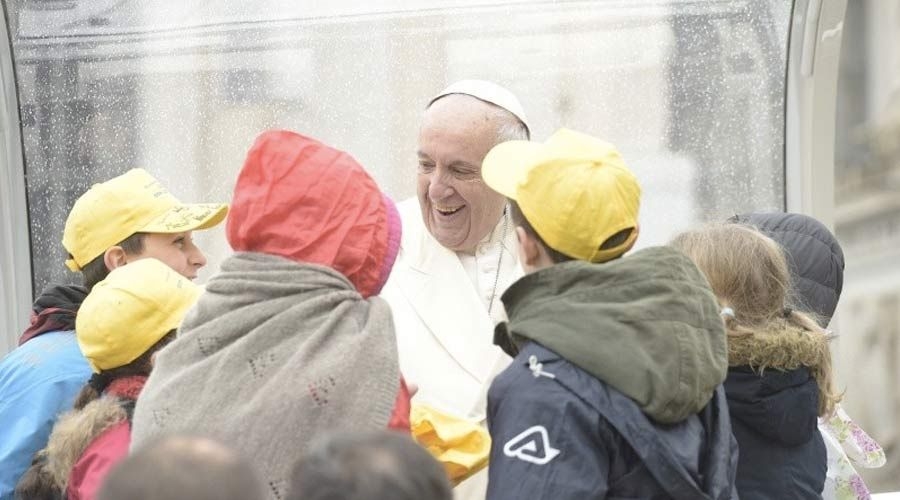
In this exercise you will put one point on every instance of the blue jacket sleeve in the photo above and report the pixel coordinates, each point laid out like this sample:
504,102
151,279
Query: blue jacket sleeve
545,444
26,420
38,381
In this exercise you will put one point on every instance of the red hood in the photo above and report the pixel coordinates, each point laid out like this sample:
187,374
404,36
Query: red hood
303,200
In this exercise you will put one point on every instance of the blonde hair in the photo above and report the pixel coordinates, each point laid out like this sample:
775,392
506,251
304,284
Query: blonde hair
748,273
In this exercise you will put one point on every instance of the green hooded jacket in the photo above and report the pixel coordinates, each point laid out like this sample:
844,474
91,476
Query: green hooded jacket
647,324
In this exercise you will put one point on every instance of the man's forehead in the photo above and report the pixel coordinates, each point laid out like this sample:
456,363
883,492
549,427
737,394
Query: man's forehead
464,119
458,128
495,96
454,133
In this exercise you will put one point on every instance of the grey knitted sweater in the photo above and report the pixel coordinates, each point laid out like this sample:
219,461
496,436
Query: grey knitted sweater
273,355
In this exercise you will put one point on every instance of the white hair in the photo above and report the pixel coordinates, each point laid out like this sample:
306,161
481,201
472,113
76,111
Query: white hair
511,129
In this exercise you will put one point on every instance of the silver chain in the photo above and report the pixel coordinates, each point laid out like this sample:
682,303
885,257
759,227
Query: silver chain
499,262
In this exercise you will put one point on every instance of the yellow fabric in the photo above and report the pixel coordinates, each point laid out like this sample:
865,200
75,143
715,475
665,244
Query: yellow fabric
462,446
573,189
133,202
129,311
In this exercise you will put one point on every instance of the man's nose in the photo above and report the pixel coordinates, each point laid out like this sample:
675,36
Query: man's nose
439,189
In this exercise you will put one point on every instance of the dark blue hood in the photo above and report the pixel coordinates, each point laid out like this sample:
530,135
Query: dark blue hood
814,256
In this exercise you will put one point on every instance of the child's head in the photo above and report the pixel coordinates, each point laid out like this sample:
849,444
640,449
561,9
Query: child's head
181,466
303,200
130,217
373,465
746,270
814,257
749,275
571,197
128,314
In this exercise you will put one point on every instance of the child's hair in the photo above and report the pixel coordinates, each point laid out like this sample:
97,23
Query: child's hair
182,466
373,465
96,271
748,273
519,220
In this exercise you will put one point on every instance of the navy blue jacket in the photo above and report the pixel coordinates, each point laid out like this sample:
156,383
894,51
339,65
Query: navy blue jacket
773,417
560,433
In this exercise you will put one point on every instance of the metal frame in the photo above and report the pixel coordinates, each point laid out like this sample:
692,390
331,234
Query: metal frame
812,72
15,248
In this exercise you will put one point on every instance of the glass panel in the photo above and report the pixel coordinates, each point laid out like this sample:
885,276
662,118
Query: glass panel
867,223
691,91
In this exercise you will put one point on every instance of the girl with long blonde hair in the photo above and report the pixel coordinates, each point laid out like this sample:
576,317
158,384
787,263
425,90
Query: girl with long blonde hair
780,376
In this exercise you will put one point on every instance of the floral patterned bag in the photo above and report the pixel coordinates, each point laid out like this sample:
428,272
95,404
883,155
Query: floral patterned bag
847,445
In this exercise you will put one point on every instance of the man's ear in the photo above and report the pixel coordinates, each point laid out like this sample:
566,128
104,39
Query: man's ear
114,257
529,248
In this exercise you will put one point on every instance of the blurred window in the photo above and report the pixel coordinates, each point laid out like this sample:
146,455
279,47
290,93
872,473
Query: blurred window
692,92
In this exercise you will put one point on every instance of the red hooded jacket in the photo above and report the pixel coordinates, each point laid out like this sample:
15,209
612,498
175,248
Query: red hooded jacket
347,223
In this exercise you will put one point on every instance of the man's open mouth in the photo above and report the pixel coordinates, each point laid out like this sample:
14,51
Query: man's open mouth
448,210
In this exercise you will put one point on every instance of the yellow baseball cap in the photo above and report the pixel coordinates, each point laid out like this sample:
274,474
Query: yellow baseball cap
133,202
130,311
573,189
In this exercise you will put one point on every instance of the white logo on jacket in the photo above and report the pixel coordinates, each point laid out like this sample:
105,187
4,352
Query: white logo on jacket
532,445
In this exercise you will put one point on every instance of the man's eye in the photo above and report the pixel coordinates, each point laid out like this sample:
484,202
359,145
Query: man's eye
426,167
179,242
464,174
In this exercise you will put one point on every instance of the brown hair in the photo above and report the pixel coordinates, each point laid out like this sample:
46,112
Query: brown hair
371,465
518,219
183,467
748,273
96,271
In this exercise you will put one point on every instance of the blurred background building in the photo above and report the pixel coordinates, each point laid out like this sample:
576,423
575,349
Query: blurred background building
867,221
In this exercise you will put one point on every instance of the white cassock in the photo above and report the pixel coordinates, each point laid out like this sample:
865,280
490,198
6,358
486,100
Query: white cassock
440,302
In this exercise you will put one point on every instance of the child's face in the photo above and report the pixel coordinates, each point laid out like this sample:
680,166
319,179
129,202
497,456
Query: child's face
176,250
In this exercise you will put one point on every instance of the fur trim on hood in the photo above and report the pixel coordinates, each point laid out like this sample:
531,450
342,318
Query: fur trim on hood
74,432
785,347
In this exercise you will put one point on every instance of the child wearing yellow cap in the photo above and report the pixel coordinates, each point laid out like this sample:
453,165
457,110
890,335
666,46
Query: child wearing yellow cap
120,326
124,219
615,389
780,375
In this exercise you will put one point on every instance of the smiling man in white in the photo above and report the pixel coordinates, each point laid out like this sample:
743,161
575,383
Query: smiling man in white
457,255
